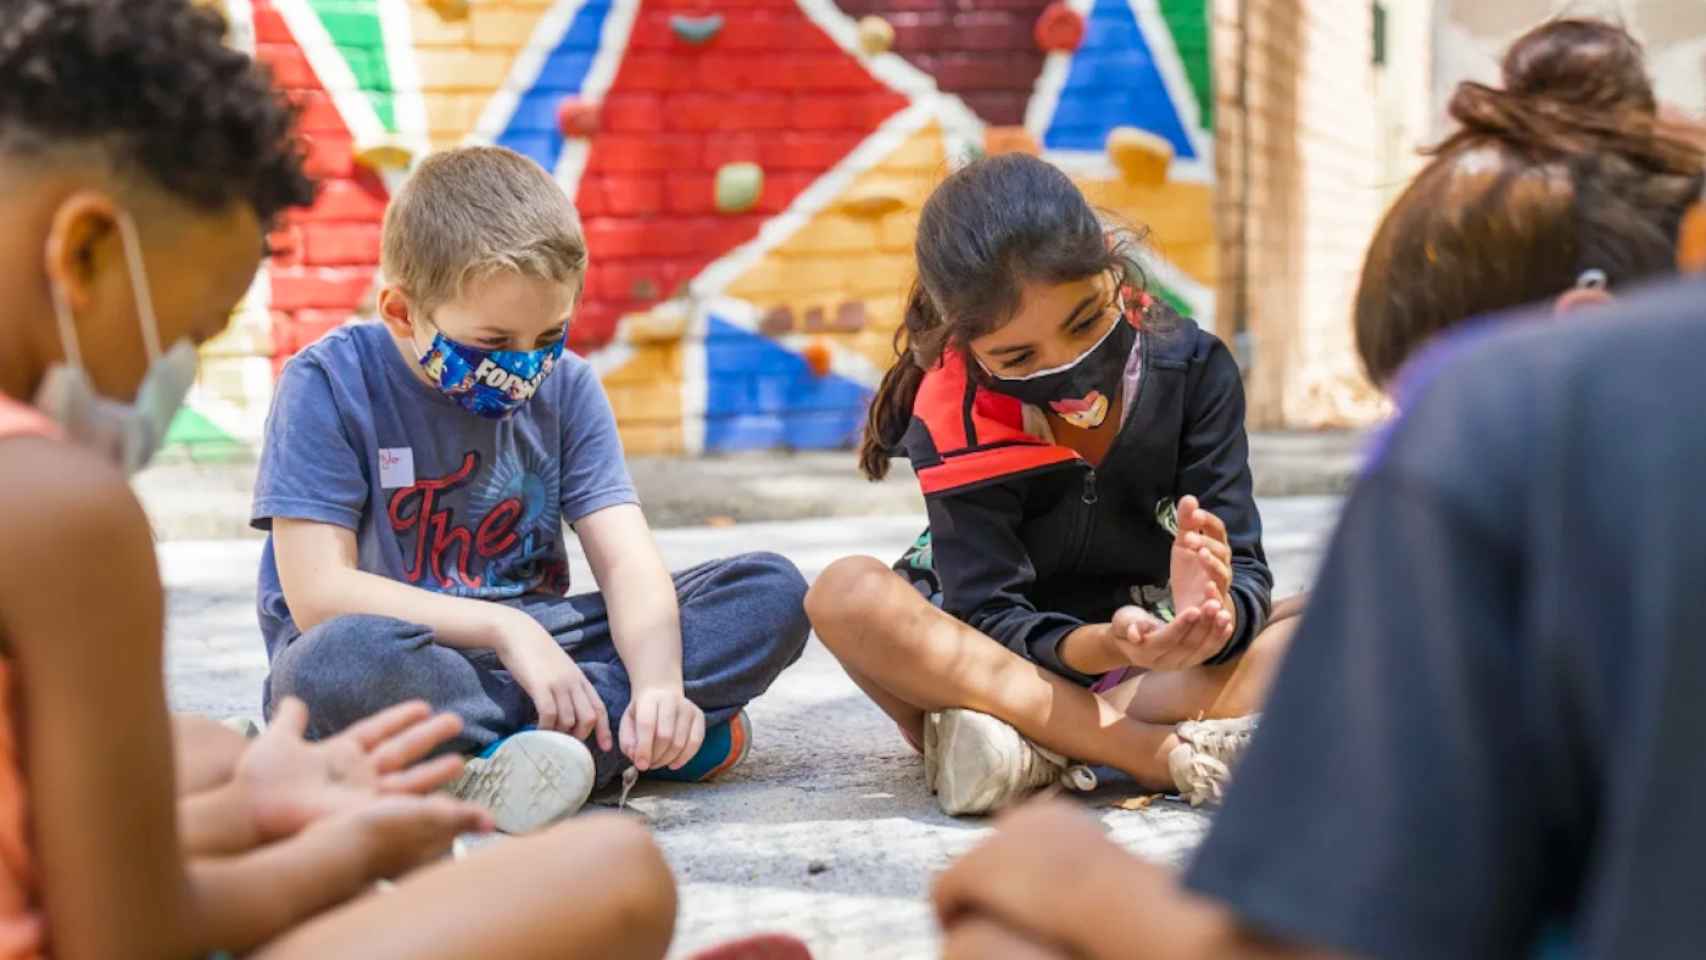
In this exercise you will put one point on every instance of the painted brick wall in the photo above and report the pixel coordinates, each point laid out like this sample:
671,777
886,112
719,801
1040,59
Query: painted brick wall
717,327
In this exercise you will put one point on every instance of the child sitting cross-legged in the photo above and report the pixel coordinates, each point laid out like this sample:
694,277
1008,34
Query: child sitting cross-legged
416,478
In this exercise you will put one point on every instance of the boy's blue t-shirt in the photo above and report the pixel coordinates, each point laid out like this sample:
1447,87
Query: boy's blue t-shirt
438,498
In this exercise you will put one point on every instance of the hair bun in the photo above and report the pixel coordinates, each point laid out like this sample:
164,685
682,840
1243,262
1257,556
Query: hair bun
1571,87
1580,63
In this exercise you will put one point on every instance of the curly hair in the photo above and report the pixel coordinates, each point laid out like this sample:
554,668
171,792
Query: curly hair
152,88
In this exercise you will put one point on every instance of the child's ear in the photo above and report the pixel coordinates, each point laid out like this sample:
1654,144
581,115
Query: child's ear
1580,297
396,311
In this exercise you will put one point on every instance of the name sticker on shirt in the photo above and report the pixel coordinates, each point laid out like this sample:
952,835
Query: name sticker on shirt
396,467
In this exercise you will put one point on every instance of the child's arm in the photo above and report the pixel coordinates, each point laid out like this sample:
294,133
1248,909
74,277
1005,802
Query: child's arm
81,614
317,567
661,727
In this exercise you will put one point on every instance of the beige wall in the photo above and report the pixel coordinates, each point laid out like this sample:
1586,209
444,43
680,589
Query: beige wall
1311,147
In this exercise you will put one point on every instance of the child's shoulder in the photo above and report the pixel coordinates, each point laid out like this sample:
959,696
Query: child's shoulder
1182,342
352,344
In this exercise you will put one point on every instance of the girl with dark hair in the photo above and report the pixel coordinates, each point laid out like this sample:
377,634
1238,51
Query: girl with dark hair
1566,182
1092,585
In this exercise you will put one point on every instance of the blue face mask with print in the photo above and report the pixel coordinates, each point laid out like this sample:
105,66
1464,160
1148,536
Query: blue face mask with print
490,383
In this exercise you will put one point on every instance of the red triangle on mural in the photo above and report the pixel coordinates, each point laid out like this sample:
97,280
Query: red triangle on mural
766,87
325,257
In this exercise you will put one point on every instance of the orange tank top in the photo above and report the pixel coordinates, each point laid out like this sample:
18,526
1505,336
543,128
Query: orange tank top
21,929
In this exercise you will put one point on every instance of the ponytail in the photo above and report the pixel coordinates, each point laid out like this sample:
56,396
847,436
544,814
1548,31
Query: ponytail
917,342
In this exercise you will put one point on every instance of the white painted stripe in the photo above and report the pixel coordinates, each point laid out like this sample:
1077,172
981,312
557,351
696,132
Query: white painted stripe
1045,94
893,71
332,70
1171,66
612,47
408,102
240,15
887,138
524,72
695,384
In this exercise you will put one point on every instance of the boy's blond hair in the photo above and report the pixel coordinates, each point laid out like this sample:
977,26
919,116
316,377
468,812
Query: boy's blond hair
467,213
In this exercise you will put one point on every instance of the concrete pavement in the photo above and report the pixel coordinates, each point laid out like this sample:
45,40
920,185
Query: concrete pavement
827,831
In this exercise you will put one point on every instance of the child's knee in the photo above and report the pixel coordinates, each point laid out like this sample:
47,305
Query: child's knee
344,667
641,885
850,588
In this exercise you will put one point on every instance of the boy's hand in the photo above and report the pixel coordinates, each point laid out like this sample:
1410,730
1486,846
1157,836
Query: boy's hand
290,782
561,693
661,728
1201,561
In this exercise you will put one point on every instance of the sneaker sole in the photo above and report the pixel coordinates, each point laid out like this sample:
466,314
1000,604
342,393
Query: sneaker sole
963,757
533,780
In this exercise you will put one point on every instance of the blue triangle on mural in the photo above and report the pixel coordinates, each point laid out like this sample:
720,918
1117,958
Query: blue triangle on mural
760,394
532,128
1114,82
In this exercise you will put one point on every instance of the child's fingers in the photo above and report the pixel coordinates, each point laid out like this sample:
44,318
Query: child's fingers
695,736
1210,525
585,720
1220,548
645,728
626,731
371,731
1187,509
601,722
663,748
291,718
415,742
684,745
1218,570
423,778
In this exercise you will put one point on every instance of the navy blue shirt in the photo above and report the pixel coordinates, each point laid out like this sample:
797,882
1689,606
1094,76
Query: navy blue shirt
1490,724
439,498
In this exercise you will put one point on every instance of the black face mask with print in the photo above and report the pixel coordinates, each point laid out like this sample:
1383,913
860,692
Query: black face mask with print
1083,391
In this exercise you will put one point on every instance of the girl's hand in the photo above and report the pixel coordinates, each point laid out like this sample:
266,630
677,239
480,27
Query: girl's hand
290,782
661,728
1201,561
1196,634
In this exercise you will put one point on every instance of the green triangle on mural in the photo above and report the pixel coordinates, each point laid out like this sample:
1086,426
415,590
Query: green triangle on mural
355,28
202,440
1188,21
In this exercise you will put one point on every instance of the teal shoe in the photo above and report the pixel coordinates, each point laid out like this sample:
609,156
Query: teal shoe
725,746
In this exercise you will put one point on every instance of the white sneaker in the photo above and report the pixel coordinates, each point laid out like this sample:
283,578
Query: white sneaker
1208,750
532,780
977,764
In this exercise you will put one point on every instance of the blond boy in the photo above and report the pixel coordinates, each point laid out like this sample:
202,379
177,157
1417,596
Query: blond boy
416,479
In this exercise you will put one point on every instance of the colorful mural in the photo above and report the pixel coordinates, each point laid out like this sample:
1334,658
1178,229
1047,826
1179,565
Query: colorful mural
749,174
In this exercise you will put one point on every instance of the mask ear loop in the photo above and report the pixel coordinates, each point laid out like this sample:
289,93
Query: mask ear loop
132,244
67,329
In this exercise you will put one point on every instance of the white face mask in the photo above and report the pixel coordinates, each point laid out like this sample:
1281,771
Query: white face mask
126,433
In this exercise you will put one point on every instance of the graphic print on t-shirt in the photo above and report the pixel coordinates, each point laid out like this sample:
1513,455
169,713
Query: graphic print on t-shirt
481,531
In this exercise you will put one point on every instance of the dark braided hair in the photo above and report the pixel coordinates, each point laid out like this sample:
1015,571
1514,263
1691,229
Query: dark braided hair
152,86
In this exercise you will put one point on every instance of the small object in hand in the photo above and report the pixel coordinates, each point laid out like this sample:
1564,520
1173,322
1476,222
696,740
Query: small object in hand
1135,803
630,777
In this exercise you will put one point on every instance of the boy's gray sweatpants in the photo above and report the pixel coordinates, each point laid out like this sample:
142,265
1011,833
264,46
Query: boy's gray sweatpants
742,621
